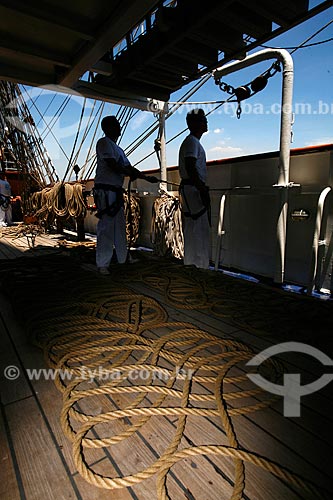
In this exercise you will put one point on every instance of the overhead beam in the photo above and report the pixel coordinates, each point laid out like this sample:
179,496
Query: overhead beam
257,43
19,74
53,16
137,63
122,20
116,96
11,48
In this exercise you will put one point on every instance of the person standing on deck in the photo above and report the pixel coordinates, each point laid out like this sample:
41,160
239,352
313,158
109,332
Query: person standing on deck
194,193
112,167
5,205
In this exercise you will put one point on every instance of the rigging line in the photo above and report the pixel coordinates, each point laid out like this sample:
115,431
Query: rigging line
197,102
182,132
98,113
153,127
85,134
47,107
302,47
92,167
56,116
37,142
312,36
87,160
131,115
35,99
33,103
137,142
120,112
125,118
126,112
148,134
191,91
175,107
83,175
88,157
50,130
76,138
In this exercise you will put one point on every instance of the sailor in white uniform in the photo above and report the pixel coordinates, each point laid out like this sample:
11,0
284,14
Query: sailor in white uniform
194,193
5,205
112,167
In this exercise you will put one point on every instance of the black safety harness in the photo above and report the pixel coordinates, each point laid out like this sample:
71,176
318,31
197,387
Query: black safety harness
106,208
205,198
4,201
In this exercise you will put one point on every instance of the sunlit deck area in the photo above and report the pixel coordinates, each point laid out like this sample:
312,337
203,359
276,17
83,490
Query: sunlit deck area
146,390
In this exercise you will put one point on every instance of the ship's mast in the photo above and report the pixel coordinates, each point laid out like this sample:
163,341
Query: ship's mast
21,145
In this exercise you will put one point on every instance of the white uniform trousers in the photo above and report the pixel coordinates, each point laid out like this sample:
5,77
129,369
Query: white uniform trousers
196,232
111,234
3,219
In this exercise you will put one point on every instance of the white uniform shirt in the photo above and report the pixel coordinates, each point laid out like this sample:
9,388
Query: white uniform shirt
106,148
191,147
5,189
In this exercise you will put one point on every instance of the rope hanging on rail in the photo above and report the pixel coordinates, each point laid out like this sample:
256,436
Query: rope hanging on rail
62,200
166,227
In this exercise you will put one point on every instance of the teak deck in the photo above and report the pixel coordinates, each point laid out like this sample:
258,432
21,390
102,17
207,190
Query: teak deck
36,457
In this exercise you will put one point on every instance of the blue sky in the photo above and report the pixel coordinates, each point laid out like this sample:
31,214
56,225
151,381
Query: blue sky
256,131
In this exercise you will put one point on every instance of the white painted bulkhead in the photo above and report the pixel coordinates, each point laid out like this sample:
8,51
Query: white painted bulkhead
248,243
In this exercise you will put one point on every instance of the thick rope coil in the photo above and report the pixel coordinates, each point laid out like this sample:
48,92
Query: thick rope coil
166,227
132,219
108,334
62,200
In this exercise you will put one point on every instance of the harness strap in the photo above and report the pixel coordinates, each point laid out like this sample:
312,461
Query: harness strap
107,187
108,209
4,201
204,198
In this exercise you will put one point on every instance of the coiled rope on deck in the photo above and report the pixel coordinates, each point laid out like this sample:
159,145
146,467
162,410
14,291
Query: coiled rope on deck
97,343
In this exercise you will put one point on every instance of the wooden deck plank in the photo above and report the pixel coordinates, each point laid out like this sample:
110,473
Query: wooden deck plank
136,452
43,473
91,492
221,328
201,432
316,408
298,443
274,432
16,388
9,489
8,251
31,358
13,247
289,428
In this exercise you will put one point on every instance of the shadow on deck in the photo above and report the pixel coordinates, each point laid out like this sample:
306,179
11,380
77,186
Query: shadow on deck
151,364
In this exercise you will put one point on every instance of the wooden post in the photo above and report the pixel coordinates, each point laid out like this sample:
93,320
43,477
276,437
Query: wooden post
59,225
81,235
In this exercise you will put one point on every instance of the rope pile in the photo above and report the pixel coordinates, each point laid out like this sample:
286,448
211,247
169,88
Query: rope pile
29,230
133,218
166,228
96,343
62,200
76,244
255,307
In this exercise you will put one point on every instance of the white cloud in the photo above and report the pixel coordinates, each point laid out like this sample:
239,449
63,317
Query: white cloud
225,149
317,142
139,119
218,131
